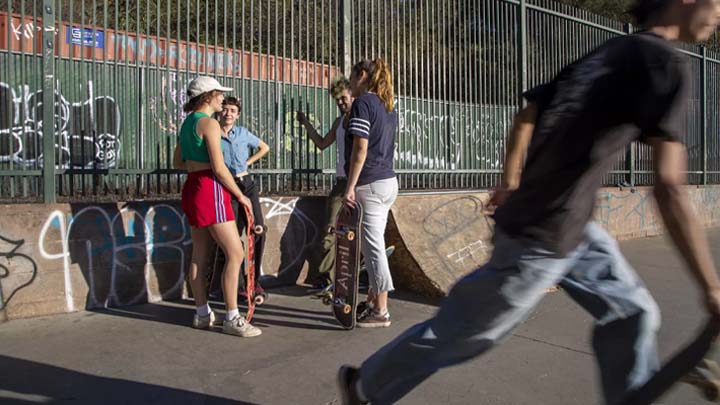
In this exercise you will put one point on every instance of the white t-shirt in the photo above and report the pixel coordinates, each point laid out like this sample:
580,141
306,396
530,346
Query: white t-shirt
340,151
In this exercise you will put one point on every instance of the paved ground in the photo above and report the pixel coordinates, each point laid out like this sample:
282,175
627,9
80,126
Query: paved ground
147,354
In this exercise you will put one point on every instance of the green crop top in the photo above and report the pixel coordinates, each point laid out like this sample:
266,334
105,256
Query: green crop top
192,146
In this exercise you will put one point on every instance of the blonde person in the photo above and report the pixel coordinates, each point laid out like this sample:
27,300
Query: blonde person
206,201
340,92
372,183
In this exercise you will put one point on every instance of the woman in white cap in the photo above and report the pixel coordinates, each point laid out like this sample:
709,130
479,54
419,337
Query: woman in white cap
206,198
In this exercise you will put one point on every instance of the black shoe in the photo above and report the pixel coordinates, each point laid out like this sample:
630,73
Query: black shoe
361,308
348,376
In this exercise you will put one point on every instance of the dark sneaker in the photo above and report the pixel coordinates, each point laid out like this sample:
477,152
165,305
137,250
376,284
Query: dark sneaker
347,377
362,308
373,319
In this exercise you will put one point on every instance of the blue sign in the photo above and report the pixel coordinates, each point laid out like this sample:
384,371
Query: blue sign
86,37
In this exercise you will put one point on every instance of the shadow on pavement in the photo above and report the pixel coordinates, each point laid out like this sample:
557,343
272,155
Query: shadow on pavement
28,382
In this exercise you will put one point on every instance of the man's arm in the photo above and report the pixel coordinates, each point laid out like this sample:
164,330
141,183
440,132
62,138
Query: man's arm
263,150
320,142
670,177
517,145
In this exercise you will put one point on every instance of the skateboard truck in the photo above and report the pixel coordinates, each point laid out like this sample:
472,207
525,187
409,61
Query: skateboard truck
329,299
342,233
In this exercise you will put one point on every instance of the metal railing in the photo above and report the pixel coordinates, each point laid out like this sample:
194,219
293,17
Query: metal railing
115,71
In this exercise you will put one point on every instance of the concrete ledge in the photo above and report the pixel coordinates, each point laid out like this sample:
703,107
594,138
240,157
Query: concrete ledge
441,238
68,257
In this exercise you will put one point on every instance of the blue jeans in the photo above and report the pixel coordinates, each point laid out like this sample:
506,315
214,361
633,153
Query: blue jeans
487,304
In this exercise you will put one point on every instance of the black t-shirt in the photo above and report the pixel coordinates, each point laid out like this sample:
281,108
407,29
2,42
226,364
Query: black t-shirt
370,120
631,88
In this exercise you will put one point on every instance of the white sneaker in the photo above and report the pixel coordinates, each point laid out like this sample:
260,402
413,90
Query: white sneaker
239,327
203,322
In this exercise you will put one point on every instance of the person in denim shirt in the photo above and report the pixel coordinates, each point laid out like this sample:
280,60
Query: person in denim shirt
237,142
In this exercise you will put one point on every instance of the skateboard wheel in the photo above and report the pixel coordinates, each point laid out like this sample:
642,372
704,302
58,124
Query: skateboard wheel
259,299
711,392
351,235
326,300
258,229
347,309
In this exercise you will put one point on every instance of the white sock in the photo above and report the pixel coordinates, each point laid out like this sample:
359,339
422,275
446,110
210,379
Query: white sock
203,310
384,312
232,314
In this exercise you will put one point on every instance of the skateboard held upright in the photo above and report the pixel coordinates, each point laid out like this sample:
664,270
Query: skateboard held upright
217,264
343,299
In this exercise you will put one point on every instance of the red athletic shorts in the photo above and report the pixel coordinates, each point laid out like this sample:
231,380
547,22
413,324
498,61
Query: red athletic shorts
205,200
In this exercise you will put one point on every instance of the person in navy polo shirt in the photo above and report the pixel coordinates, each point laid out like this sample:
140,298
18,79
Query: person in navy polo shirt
370,146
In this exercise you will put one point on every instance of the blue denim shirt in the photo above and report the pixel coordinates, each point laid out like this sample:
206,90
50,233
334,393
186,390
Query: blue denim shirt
236,148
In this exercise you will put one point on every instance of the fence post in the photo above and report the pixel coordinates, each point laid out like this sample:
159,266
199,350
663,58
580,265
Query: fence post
345,30
140,179
48,89
704,115
522,51
630,156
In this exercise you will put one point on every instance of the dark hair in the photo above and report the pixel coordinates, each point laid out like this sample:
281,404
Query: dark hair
642,10
339,85
197,101
233,101
380,80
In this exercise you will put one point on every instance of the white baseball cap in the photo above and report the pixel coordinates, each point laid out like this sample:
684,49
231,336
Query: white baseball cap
204,84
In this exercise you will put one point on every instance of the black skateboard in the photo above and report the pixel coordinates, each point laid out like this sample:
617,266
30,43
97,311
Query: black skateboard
343,298
325,292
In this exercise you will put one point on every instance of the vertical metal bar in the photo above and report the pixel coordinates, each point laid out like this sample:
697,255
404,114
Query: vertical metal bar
522,50
48,62
345,30
704,115
630,160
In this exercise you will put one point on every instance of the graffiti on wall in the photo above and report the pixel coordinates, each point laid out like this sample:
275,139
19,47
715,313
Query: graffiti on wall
620,208
299,233
445,139
116,250
86,131
15,266
167,108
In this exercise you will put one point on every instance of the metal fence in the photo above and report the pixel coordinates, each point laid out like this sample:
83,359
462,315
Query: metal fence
114,72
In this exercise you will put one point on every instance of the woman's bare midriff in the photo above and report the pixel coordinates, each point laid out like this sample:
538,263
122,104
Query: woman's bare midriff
194,166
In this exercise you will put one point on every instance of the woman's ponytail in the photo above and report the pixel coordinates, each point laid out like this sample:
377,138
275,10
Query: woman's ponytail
381,83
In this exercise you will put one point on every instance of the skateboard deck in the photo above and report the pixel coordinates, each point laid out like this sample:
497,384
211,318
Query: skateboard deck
343,299
689,365
219,262
249,263
324,292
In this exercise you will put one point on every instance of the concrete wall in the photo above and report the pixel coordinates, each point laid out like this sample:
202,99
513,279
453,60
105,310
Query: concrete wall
441,238
68,257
